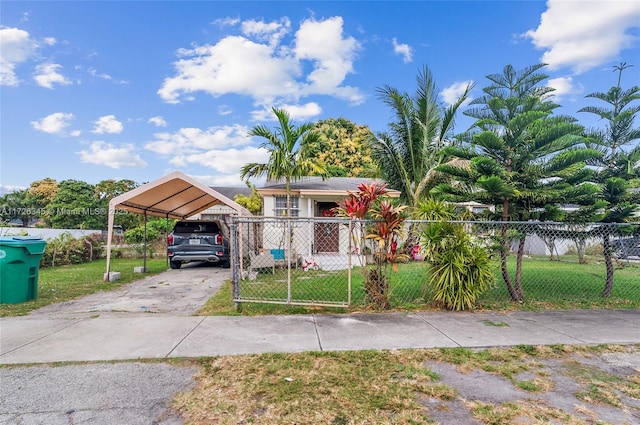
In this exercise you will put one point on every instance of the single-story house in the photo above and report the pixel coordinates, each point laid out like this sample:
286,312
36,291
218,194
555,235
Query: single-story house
313,198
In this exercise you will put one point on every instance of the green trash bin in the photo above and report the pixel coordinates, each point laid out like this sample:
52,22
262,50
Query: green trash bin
19,264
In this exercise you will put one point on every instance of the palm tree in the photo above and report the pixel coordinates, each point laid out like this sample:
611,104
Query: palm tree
410,150
521,157
288,158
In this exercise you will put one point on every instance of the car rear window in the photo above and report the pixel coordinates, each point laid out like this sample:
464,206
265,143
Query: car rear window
196,227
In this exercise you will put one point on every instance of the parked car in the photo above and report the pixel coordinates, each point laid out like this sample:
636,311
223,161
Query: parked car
627,248
193,240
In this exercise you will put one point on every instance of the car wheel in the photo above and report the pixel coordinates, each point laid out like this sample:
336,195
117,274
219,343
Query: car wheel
175,264
225,264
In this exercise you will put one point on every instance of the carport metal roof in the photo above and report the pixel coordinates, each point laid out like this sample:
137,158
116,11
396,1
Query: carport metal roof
175,195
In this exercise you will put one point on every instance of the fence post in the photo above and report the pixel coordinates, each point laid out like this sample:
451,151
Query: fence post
350,262
235,261
288,259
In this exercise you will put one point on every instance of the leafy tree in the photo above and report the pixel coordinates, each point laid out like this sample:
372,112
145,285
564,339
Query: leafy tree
17,206
288,147
343,147
156,229
76,207
106,190
42,192
521,157
409,151
618,167
252,202
619,131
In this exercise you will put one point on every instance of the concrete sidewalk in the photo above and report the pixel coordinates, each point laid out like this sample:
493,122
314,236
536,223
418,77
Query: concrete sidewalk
36,340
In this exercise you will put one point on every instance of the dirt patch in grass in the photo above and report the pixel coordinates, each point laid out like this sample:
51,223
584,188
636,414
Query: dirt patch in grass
519,385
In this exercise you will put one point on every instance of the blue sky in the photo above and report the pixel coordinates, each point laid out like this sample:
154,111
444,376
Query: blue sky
111,90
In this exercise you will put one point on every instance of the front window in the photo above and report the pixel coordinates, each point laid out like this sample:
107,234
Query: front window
281,206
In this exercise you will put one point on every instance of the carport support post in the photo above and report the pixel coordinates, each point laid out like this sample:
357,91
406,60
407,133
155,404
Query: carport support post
144,254
166,237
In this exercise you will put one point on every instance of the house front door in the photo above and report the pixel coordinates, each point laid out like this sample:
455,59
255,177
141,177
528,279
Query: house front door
327,235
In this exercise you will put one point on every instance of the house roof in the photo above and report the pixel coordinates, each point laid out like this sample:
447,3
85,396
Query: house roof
231,192
317,186
175,195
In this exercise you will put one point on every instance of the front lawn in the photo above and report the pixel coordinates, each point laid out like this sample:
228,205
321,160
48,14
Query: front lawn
546,284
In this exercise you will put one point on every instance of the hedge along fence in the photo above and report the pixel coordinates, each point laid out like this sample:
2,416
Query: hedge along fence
315,262
65,250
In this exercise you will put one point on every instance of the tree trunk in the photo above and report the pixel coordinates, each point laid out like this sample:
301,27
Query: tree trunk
550,242
581,247
608,261
412,239
503,264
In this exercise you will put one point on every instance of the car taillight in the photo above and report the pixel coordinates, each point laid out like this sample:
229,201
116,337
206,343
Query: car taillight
170,239
218,240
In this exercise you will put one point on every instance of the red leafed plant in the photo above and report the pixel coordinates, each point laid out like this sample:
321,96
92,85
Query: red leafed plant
384,234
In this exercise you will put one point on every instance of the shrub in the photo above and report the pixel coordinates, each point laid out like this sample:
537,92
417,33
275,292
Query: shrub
460,270
65,250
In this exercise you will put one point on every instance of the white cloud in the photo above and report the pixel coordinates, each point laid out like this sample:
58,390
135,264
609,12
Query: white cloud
47,75
582,35
564,86
271,32
332,55
225,110
259,64
50,41
230,180
102,153
296,112
76,133
16,47
94,73
451,94
107,124
403,50
4,189
54,123
224,22
198,141
158,121
228,161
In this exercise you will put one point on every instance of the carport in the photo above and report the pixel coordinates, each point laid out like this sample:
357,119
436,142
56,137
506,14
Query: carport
175,195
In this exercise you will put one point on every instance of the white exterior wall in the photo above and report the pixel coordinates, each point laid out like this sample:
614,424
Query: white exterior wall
274,236
45,233
217,209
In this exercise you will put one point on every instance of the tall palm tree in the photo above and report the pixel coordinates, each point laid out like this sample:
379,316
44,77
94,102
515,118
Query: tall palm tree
421,127
288,158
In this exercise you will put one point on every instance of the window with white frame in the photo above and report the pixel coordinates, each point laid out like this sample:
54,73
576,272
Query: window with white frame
281,206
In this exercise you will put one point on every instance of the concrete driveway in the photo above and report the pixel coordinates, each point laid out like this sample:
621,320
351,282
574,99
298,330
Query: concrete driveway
173,292
120,393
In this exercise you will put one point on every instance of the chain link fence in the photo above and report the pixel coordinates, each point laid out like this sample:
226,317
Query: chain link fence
322,262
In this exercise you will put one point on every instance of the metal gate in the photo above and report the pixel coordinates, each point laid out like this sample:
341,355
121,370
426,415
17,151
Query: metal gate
285,261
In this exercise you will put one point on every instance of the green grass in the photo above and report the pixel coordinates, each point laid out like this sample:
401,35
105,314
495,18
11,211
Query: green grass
64,283
546,284
395,386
